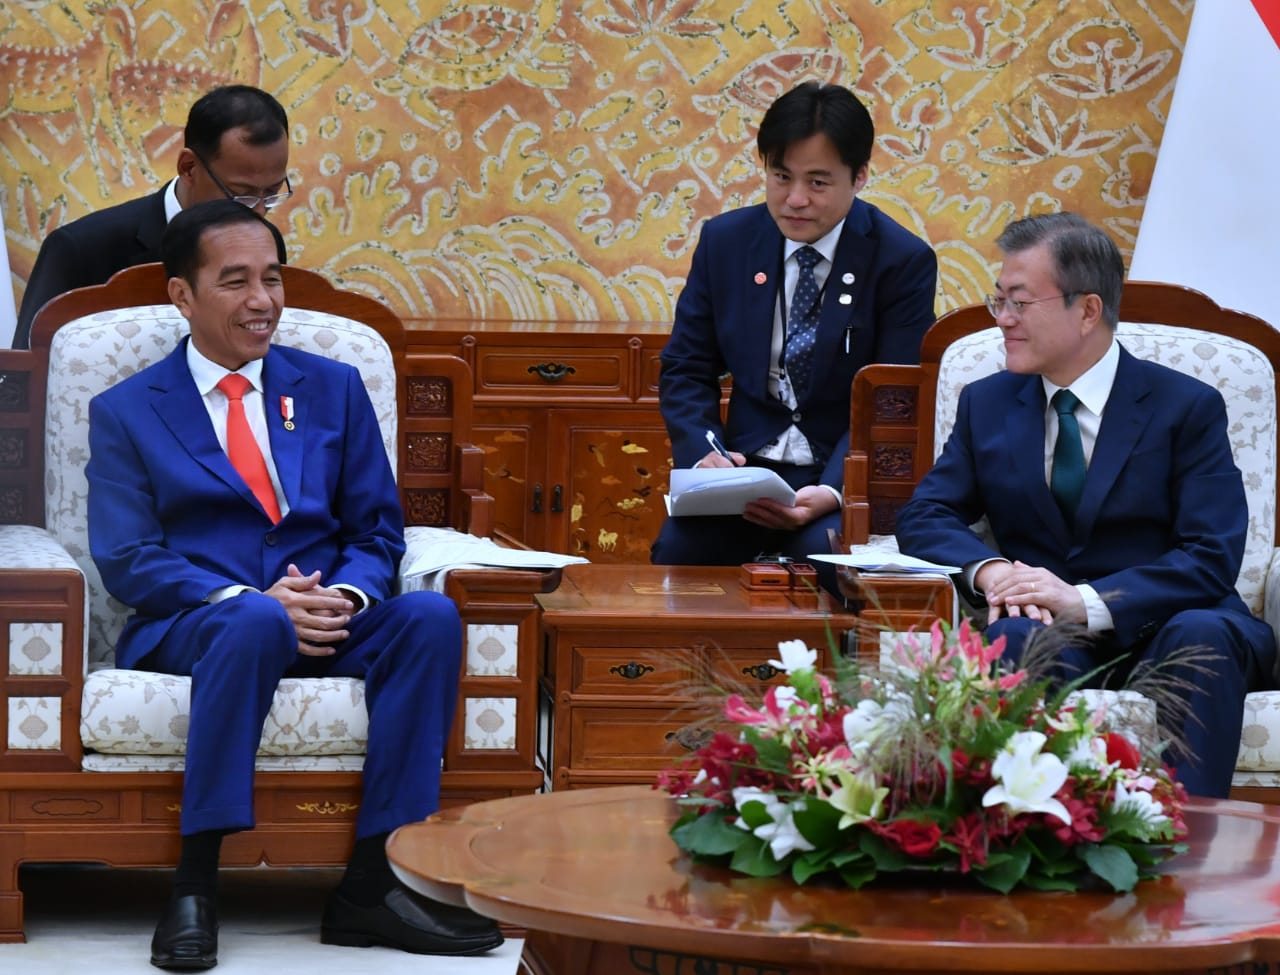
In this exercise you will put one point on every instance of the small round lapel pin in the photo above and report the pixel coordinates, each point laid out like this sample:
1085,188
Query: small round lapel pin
846,299
847,278
761,277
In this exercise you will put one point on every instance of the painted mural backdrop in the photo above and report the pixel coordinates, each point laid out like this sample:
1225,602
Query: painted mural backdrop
553,160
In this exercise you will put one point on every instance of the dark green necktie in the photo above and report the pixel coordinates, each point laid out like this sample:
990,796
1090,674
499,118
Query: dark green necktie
1067,479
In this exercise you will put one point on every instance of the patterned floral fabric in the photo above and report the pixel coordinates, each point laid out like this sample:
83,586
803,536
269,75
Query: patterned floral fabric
135,713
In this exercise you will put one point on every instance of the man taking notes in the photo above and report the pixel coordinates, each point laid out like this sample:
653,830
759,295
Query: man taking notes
1111,493
791,297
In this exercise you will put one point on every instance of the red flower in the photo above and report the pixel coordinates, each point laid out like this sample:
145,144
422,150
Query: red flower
1083,826
1121,749
968,837
911,836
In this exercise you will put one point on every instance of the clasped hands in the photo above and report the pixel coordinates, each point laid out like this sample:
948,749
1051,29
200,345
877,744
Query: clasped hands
1017,589
319,613
811,502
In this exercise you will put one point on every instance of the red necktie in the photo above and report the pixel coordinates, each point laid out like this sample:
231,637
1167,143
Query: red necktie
243,449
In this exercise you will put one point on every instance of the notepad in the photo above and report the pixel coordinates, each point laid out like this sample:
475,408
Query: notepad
868,558
724,490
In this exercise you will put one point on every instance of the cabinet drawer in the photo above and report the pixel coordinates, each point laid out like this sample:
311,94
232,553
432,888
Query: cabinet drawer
591,372
633,671
746,670
631,738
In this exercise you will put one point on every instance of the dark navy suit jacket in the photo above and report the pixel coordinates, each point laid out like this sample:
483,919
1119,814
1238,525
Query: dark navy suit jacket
170,520
88,251
724,323
1161,524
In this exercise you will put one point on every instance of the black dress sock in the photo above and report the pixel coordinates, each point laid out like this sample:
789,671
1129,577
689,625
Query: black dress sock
368,877
198,865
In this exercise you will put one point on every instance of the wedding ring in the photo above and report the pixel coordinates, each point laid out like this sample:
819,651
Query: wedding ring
1033,587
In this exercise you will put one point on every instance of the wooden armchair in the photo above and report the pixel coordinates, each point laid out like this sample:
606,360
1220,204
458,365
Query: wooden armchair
901,416
92,764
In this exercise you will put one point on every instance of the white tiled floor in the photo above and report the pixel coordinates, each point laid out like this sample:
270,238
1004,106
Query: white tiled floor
91,919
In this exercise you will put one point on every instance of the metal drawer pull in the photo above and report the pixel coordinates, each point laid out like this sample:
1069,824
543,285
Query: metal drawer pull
762,671
632,670
552,372
691,739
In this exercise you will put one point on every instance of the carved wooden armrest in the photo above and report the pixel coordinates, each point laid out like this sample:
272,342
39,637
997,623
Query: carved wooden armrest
890,447
42,629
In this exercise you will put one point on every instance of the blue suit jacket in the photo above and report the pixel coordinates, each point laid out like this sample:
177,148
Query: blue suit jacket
170,520
724,323
1162,521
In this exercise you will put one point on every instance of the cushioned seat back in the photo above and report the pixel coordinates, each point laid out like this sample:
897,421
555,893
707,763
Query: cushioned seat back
95,352
1239,371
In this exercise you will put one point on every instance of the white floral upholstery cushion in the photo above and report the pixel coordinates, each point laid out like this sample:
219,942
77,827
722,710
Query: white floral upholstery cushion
1260,737
1240,372
97,351
135,712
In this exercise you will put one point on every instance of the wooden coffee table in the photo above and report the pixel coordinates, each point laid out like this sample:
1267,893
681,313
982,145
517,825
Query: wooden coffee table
636,656
602,890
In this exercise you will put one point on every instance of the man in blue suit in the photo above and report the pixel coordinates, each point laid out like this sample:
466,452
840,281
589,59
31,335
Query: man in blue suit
791,297
1110,489
241,503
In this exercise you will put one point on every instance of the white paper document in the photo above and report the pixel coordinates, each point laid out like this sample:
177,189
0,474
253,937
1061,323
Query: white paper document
724,490
868,558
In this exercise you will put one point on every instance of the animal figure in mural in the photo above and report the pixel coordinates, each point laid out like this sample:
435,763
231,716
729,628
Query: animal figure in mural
54,80
473,49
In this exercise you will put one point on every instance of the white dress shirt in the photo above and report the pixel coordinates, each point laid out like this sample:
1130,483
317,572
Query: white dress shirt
1092,388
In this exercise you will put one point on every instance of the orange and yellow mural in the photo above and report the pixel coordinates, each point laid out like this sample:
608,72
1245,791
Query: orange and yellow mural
550,160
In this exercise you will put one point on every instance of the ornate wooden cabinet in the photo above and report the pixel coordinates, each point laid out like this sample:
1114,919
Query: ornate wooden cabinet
576,455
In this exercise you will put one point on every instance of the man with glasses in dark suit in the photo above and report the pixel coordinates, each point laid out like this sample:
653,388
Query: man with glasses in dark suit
235,145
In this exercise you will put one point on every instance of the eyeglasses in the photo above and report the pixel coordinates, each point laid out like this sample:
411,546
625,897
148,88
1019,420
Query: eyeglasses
998,303
249,200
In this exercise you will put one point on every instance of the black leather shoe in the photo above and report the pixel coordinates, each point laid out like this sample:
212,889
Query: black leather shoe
186,939
409,923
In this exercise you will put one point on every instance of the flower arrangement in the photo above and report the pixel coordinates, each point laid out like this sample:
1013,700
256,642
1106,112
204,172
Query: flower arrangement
943,762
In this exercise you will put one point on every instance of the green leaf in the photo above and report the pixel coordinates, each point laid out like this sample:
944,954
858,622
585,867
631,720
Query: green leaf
754,813
773,756
1005,870
858,873
755,859
1037,881
708,835
810,865
1112,864
818,822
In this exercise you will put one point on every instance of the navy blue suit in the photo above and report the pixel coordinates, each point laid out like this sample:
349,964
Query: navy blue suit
1159,533
170,522
724,323
89,250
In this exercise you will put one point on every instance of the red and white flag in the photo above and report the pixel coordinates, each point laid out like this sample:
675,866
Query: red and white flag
8,307
1212,219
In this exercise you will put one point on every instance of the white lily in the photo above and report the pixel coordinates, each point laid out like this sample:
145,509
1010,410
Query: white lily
795,656
1026,779
781,834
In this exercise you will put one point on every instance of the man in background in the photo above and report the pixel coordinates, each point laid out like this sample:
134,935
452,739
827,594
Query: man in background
236,145
1114,502
791,297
